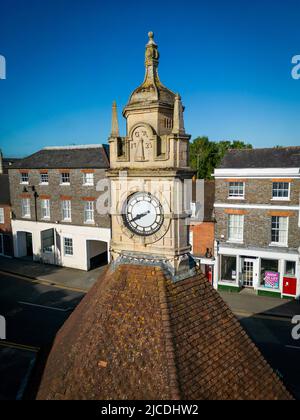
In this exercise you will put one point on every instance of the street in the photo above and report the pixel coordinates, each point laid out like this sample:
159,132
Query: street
273,336
34,313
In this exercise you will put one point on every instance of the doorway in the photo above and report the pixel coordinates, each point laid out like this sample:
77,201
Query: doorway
248,273
29,247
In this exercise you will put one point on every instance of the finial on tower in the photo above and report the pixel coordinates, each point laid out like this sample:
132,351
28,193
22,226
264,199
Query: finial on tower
114,121
151,38
152,54
178,122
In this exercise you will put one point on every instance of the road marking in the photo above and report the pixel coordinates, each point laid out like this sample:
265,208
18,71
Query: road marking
46,307
261,316
293,347
43,282
18,346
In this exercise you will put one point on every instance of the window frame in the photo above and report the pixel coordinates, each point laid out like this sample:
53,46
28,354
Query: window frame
22,182
41,178
279,230
89,211
2,216
236,227
66,209
84,181
236,197
70,246
276,198
27,206
62,176
45,208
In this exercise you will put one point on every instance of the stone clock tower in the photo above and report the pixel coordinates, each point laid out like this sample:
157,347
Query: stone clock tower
149,167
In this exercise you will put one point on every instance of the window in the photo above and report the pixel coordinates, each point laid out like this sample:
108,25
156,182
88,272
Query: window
66,210
68,246
269,274
228,269
236,189
89,212
290,268
281,190
1,215
88,179
65,178
25,207
45,209
236,228
44,178
24,178
280,230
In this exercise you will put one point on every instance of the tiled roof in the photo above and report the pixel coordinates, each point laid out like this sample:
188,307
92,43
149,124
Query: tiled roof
94,156
288,157
138,335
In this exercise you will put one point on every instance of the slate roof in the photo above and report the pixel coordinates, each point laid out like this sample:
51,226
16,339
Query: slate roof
138,335
288,157
72,157
4,189
8,162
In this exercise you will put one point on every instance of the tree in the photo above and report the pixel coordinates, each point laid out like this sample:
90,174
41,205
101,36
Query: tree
206,155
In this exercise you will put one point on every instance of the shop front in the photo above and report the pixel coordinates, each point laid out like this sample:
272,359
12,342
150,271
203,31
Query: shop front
267,273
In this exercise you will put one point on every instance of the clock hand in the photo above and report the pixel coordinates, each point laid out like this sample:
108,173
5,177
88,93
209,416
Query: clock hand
139,216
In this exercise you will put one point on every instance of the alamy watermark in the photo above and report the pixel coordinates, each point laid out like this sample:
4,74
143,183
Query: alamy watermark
2,328
296,68
296,329
2,67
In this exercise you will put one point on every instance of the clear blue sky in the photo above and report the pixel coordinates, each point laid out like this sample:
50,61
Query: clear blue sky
67,60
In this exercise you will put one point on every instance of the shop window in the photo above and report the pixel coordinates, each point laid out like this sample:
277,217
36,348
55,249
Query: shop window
270,277
290,268
228,268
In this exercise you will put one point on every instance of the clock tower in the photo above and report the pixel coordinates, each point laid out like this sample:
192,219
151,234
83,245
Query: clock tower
148,172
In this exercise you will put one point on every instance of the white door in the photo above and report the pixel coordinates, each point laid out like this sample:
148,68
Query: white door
248,272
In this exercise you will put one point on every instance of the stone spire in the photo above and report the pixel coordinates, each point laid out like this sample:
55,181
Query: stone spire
178,122
151,90
114,121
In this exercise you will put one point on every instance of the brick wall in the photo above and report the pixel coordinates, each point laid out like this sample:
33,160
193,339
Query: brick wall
257,228
257,191
6,226
203,237
76,192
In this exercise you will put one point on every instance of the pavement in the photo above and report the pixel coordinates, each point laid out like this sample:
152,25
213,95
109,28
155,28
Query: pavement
66,278
245,304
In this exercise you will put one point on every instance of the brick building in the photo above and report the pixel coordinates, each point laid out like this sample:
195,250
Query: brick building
53,195
258,226
202,226
6,248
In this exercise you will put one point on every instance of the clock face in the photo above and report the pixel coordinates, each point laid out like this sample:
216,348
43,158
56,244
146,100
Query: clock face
143,214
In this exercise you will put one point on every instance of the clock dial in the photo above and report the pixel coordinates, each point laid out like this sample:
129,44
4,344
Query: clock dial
143,214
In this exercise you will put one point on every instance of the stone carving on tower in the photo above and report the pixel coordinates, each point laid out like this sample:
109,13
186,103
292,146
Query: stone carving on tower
148,168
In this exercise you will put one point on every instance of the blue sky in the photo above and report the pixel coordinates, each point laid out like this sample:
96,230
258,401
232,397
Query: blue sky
67,60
